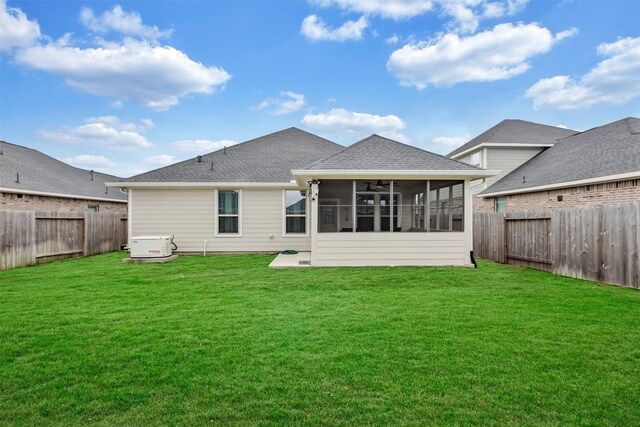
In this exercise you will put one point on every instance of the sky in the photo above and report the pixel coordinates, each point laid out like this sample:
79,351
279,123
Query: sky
126,87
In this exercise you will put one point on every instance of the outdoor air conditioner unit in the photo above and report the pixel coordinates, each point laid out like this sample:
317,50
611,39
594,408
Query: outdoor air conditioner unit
151,246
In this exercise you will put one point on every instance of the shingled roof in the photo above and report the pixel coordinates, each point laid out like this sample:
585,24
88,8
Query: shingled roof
607,150
269,158
516,132
379,153
38,172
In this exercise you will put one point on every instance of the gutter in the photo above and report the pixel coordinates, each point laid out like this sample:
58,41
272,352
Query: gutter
61,195
494,144
205,185
567,184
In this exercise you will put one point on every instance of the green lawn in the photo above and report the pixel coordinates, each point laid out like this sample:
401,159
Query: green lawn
226,340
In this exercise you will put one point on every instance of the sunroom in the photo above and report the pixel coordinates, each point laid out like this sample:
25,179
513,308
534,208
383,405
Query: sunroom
383,203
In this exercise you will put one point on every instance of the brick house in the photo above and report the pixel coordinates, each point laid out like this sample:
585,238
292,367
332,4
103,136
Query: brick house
595,167
31,180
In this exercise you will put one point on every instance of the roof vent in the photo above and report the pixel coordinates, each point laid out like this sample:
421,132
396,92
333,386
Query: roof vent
17,178
91,173
106,190
524,179
199,159
224,150
211,165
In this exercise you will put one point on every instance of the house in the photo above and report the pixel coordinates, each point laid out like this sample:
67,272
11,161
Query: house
377,202
504,147
31,180
595,167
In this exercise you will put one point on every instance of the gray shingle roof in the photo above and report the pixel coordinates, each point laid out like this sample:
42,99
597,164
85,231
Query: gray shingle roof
379,153
39,172
269,158
517,132
606,150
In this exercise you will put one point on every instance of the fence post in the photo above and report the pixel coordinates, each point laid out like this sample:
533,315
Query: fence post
85,247
506,239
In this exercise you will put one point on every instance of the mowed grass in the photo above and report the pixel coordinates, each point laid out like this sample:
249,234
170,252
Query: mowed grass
226,340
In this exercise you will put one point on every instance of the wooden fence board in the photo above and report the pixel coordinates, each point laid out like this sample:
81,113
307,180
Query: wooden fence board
28,237
599,243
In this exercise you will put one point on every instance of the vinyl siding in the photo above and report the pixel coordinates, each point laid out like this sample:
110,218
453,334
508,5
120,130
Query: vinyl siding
478,185
507,159
400,249
502,159
189,215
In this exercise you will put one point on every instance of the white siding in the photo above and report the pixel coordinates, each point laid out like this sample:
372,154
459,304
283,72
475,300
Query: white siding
401,249
503,159
190,216
507,159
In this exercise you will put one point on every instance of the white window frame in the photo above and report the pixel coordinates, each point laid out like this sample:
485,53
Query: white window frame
217,215
306,214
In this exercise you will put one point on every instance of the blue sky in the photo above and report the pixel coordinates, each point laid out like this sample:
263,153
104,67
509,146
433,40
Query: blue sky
124,87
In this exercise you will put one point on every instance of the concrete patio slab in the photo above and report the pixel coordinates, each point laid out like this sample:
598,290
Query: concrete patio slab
301,259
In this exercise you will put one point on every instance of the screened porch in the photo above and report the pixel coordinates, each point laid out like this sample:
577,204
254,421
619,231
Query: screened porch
390,206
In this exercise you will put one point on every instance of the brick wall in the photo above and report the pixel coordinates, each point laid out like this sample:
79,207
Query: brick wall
480,204
28,202
588,195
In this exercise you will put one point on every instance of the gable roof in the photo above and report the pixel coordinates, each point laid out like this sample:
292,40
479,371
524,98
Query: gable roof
44,174
516,132
607,150
269,158
379,153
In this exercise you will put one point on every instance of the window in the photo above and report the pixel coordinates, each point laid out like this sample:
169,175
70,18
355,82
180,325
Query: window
228,212
92,208
501,204
475,159
295,211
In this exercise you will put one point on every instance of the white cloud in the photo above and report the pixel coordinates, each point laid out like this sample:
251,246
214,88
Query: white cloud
117,20
153,76
393,39
201,146
450,141
89,161
316,29
349,123
394,9
161,159
496,54
465,14
16,30
614,80
105,131
288,102
116,123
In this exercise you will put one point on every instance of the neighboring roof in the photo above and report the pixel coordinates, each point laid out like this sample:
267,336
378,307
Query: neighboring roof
516,132
607,150
44,174
269,158
379,153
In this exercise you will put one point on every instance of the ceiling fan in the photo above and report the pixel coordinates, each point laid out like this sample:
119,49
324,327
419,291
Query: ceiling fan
379,186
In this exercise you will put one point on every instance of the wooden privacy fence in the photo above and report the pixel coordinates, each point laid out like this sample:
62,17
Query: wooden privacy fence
28,237
600,243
